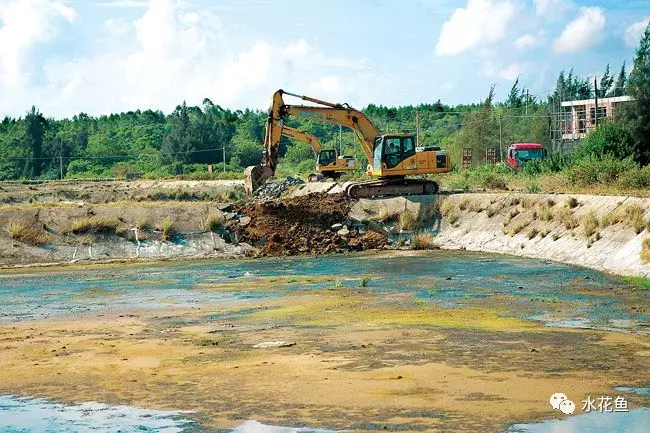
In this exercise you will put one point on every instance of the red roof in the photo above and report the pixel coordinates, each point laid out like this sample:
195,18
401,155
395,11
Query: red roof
527,146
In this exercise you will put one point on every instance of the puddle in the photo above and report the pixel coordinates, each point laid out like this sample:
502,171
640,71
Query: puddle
632,390
25,415
635,421
555,294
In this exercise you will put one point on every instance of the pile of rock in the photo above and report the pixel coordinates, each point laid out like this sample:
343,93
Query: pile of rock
273,190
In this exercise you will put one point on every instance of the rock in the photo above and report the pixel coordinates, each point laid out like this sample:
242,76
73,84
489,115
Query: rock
337,227
343,232
271,344
244,221
272,190
229,216
226,208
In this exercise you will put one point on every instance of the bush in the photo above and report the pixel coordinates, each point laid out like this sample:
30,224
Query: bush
645,250
637,178
609,139
423,241
214,223
594,170
166,227
21,232
407,220
93,225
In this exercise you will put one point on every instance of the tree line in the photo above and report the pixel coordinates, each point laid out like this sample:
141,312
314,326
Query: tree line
184,142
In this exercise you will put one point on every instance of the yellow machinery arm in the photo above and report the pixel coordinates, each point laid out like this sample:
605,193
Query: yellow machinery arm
302,136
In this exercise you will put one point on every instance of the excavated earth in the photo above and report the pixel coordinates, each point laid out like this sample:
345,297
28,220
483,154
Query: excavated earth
304,225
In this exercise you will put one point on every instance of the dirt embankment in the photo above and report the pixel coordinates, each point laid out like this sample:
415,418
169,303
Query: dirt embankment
316,223
60,232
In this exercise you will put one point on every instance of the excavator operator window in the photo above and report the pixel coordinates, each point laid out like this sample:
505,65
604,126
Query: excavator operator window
326,157
392,151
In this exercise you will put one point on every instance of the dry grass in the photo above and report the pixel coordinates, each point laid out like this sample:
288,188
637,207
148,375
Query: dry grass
492,210
572,203
384,215
423,241
450,210
633,216
590,223
518,227
545,213
645,250
214,223
464,203
30,235
166,227
94,225
143,224
532,233
407,220
528,202
565,216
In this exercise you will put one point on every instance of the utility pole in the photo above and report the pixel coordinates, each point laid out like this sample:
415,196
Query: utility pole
61,165
223,155
500,140
417,126
340,139
596,95
526,102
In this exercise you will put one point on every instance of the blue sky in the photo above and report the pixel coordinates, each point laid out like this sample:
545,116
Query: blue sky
103,56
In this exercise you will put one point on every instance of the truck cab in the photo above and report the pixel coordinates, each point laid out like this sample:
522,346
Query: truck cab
520,153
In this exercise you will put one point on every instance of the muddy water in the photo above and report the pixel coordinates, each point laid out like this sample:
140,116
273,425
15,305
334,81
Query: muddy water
555,296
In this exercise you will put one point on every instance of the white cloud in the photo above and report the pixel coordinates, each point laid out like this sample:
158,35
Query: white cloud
583,32
511,72
553,9
124,4
174,52
527,42
633,33
481,22
25,23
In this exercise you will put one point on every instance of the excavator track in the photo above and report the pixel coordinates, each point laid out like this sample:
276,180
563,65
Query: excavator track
391,188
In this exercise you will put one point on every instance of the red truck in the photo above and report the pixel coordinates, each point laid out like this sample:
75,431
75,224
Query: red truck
520,153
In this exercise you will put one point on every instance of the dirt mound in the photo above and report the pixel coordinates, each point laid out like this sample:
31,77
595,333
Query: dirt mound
305,225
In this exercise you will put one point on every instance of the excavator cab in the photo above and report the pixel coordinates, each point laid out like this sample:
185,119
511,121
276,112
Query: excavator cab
326,157
391,150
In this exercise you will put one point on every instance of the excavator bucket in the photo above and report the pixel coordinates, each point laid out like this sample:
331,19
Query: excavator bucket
255,176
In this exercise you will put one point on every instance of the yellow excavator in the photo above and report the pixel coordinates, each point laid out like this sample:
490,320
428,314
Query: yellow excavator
329,164
391,157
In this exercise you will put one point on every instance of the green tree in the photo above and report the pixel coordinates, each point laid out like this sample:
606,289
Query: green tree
605,83
34,133
619,88
611,139
639,89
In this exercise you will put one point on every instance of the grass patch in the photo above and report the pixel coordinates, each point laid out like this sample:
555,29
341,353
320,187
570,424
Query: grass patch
518,227
27,234
363,282
214,223
423,241
572,203
407,220
645,250
565,216
545,213
532,233
638,283
143,224
450,210
590,223
166,228
94,225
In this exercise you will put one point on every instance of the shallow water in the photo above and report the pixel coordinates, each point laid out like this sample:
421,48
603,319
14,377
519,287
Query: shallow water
554,294
636,421
24,415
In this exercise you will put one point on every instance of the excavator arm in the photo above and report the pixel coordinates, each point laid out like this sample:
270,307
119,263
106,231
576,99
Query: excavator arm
302,136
